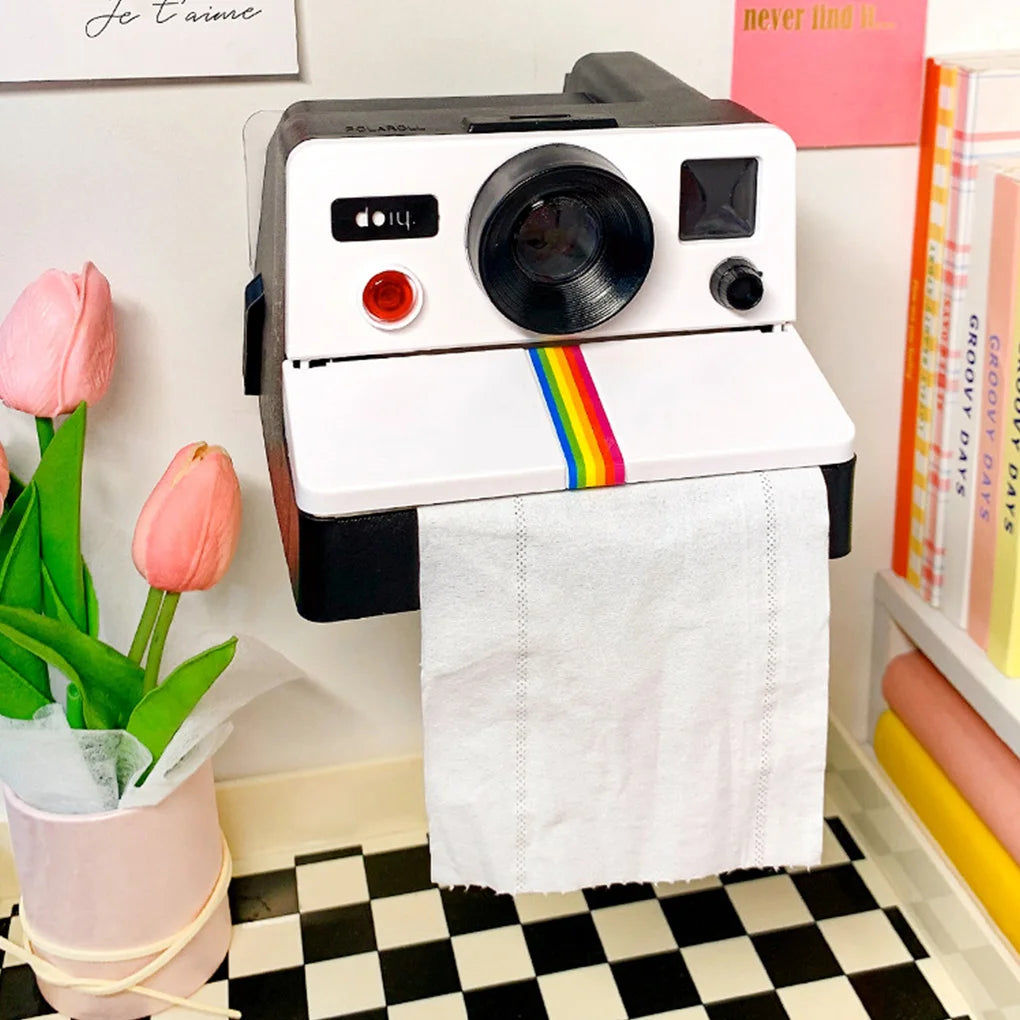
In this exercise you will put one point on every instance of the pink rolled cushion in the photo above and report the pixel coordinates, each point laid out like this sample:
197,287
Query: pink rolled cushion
981,767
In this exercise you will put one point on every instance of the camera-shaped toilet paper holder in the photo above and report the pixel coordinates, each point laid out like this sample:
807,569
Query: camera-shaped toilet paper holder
474,297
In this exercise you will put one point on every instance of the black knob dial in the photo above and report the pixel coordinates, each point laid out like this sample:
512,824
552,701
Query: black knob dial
736,284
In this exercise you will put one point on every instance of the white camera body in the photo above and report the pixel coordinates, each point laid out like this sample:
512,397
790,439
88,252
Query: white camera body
325,278
475,297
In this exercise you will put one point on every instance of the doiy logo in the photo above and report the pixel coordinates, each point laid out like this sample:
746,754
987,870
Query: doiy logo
385,217
378,218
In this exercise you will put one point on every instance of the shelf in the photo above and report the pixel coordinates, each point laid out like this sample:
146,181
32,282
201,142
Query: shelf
995,697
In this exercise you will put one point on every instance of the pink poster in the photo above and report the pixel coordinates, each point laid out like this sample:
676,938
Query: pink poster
833,74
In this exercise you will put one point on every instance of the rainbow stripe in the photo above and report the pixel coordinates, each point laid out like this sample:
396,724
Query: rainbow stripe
586,437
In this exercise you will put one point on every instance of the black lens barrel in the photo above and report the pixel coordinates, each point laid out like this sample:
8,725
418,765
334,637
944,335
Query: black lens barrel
560,175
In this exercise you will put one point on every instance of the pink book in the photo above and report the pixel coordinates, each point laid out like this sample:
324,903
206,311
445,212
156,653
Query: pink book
1003,281
833,74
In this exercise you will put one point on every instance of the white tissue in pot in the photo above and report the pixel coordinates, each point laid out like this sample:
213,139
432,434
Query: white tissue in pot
54,768
256,669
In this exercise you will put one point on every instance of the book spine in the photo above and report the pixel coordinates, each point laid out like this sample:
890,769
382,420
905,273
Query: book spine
994,371
1003,326
915,311
966,407
919,560
937,473
947,377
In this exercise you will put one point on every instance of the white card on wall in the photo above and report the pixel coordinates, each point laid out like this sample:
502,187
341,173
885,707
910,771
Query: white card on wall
68,40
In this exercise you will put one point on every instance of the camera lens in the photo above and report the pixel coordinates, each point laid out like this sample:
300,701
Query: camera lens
559,241
558,238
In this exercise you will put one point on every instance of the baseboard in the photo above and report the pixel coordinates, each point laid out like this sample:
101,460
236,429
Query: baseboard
267,819
952,922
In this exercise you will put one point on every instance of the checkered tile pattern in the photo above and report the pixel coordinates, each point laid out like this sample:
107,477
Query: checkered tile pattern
363,934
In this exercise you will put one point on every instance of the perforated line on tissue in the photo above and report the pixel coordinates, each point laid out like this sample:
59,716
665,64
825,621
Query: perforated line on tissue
771,666
521,694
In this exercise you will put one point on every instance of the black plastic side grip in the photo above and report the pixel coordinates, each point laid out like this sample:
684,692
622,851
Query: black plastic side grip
839,481
254,327
354,567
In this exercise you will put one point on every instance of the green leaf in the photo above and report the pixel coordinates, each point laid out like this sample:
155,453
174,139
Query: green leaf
110,683
20,586
159,715
55,608
12,519
91,603
16,488
18,698
52,603
58,481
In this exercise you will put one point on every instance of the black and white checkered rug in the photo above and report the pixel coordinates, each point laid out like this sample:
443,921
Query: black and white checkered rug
362,934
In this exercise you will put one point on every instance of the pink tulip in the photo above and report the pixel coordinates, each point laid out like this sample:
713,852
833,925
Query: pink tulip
5,477
58,344
187,532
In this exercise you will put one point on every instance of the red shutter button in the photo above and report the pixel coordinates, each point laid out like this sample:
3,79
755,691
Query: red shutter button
392,298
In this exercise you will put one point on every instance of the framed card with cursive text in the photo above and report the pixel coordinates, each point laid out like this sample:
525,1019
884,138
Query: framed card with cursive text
68,40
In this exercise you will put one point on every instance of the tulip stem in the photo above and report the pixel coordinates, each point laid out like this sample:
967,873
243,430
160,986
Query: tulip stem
45,430
145,625
74,710
155,656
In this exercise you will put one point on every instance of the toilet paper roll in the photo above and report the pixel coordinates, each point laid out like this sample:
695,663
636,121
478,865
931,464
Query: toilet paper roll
626,683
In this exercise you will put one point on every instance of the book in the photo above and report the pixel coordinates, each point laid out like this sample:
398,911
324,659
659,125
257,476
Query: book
832,74
919,559
905,496
1003,642
972,460
986,126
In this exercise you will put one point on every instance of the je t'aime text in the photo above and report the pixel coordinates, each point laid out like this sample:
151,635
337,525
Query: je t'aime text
163,12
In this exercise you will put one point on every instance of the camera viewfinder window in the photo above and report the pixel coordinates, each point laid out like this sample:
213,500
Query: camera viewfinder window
717,198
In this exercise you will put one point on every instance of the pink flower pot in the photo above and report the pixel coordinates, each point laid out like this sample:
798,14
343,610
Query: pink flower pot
120,880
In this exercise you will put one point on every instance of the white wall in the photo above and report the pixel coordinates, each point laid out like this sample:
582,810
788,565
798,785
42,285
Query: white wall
148,181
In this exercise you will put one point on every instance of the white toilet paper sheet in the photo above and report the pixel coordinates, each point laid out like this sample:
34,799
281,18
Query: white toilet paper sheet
626,684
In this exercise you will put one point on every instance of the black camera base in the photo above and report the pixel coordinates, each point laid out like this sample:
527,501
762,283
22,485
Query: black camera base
367,565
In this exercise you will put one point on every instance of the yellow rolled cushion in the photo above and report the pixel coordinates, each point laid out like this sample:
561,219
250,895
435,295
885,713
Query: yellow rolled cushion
980,858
